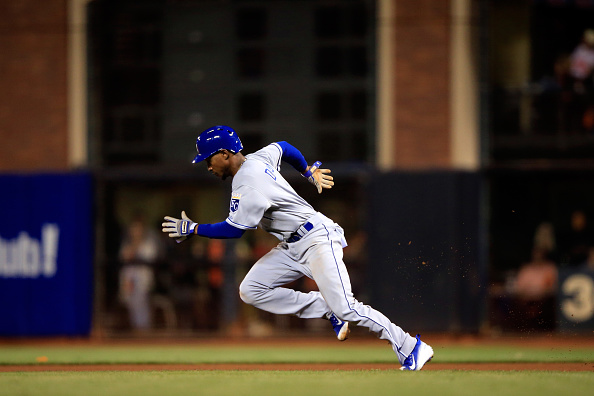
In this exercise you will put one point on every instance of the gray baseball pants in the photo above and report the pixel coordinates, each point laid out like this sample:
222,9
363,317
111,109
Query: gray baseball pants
317,255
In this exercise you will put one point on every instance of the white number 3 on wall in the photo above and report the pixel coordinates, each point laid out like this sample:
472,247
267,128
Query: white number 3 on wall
578,302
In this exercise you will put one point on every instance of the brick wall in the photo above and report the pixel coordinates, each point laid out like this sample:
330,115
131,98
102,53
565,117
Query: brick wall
33,85
422,50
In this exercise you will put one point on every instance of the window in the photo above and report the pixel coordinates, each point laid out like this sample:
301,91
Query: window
250,62
125,53
358,105
329,22
329,61
330,145
251,106
251,23
329,106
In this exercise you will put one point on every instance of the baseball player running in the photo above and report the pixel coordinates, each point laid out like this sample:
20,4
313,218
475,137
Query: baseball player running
310,243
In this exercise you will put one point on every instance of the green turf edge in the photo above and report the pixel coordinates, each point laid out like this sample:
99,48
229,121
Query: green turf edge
288,383
252,354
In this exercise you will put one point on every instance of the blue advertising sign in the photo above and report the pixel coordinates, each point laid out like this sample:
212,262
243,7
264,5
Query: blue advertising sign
46,254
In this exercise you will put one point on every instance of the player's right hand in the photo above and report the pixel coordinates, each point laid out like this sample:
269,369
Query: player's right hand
180,229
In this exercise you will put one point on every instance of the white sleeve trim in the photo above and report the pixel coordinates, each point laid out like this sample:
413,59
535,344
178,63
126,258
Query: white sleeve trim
237,225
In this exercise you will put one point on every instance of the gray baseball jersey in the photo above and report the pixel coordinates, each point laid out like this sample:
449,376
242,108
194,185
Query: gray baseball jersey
262,197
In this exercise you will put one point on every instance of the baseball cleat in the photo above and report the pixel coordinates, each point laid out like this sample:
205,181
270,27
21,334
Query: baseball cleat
418,357
340,327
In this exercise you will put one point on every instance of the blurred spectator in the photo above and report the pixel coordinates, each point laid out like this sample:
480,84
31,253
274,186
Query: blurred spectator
536,279
535,292
577,242
544,239
581,70
527,302
215,253
554,100
139,251
582,59
208,278
177,280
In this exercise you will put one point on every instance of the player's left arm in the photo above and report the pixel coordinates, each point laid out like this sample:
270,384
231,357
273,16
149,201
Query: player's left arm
318,177
181,229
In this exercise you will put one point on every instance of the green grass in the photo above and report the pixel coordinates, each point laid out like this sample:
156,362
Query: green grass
287,383
340,353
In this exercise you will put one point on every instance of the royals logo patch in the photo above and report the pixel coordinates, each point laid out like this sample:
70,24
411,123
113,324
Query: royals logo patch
235,202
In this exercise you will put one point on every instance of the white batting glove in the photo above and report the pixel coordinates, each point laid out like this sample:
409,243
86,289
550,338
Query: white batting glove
319,177
179,229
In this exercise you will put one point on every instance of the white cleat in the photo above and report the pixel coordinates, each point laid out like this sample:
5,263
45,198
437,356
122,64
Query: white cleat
418,357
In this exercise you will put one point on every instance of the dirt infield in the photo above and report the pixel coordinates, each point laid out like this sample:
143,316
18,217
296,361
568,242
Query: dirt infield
360,338
299,367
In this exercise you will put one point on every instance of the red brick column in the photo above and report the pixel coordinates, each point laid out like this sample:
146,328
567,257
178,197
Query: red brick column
33,84
422,84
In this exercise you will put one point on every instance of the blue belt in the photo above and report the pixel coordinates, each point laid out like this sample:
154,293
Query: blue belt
301,231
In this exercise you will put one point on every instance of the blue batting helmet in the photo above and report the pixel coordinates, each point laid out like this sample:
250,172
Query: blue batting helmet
215,139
